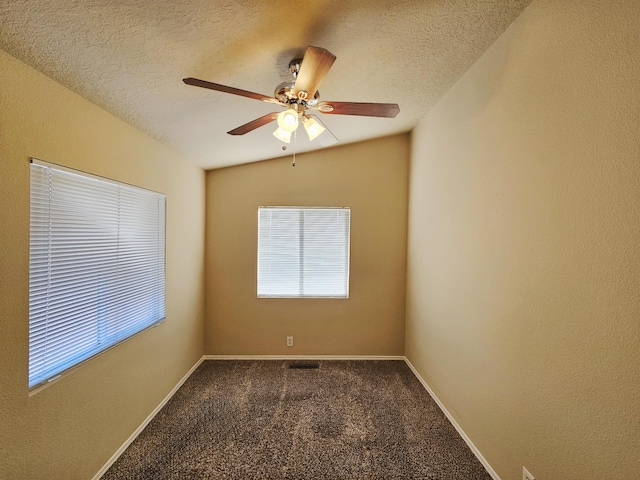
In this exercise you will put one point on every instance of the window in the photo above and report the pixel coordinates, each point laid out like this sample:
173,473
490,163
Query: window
303,252
96,267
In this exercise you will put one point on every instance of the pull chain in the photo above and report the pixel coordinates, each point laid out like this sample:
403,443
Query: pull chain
295,138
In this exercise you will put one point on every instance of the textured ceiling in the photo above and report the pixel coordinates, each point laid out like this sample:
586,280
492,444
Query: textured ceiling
130,56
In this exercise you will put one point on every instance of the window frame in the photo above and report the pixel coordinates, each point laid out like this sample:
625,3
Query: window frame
128,307
346,246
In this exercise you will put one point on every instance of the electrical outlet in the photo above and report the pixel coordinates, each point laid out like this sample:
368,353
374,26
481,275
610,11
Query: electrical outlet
290,344
526,475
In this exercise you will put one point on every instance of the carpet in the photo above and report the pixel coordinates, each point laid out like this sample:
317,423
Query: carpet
260,419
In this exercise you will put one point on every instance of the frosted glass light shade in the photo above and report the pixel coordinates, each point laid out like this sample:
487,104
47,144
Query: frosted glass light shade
288,120
283,135
312,127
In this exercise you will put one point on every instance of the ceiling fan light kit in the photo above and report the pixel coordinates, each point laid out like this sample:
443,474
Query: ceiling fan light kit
301,96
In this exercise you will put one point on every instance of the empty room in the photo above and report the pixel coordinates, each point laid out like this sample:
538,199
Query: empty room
320,240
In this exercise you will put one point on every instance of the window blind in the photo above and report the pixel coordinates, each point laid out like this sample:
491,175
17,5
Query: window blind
96,268
303,252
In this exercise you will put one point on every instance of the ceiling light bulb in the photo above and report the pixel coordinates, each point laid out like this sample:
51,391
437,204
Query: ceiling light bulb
283,135
288,120
312,126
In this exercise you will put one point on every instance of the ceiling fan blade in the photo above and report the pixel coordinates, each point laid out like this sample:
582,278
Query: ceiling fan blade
252,125
388,110
223,88
315,66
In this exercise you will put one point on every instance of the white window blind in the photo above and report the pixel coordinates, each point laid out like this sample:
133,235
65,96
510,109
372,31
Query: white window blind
303,252
96,268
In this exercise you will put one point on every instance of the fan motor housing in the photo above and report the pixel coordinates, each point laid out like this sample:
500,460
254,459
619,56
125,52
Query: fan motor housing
285,92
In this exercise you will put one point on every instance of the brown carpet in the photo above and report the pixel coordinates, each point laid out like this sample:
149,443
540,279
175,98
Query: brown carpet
262,420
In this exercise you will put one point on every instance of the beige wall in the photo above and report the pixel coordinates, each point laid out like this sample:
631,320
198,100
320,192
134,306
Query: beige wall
371,179
524,245
72,427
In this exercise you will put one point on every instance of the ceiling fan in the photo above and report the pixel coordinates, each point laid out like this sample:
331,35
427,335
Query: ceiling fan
300,97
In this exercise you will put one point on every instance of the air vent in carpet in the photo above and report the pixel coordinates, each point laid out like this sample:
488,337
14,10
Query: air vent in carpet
304,365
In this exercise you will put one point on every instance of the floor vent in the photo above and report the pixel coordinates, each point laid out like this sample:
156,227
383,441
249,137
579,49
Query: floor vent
304,365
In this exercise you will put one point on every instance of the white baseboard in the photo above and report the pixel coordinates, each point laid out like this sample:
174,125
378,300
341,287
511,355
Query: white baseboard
464,436
138,430
303,357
